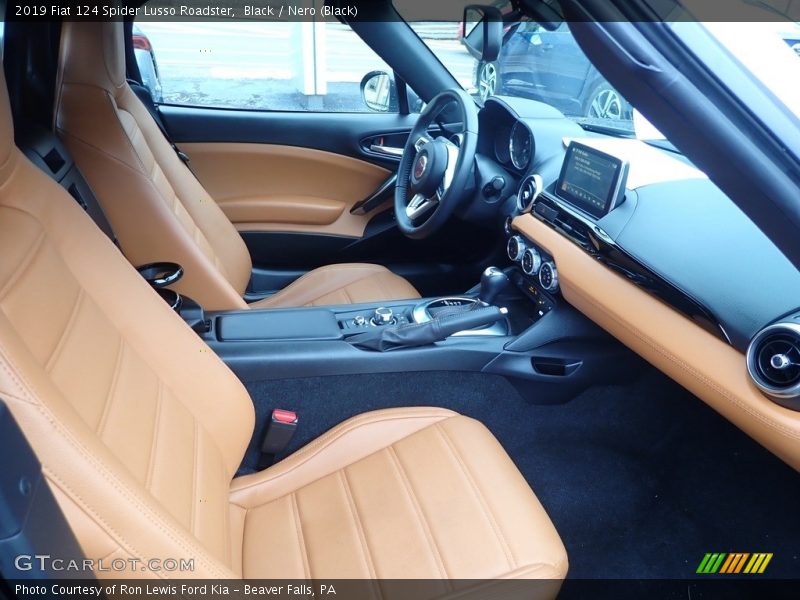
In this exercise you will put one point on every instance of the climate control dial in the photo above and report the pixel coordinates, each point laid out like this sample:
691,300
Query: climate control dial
531,261
516,248
548,276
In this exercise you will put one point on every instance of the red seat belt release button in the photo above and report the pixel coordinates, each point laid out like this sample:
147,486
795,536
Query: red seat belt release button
284,416
280,429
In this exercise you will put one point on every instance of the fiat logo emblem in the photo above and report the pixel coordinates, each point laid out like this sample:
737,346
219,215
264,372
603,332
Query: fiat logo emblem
419,168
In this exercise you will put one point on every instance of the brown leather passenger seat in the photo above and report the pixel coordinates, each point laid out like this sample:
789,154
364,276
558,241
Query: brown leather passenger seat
140,429
158,209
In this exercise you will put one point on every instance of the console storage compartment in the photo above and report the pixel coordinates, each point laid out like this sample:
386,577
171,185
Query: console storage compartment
278,324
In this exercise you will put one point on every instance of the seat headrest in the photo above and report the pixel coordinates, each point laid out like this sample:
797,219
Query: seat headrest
6,121
93,54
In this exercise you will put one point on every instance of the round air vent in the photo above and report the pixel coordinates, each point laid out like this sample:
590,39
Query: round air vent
529,190
773,359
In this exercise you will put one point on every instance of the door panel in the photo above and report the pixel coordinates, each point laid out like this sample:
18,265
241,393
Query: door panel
340,133
287,180
266,187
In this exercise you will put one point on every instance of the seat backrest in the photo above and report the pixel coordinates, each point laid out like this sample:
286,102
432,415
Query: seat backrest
138,425
158,209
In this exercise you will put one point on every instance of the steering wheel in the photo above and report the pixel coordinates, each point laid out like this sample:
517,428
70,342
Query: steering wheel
433,174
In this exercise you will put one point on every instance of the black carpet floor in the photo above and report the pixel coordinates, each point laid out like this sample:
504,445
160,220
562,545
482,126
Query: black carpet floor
641,480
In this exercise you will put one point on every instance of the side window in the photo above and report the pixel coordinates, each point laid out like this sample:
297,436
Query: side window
282,66
443,38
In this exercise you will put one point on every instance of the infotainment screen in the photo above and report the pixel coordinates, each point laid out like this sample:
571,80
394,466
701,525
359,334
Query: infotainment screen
591,180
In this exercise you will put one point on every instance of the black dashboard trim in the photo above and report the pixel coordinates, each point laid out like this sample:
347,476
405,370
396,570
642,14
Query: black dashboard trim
594,242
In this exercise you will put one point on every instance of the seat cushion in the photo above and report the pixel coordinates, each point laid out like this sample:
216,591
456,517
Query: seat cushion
419,493
349,283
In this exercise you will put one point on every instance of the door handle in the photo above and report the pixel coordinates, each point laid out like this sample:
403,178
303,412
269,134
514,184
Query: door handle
392,151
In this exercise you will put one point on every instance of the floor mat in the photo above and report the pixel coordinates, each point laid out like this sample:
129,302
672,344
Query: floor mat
640,480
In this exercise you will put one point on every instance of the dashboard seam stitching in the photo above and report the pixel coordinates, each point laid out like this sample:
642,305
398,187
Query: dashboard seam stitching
700,377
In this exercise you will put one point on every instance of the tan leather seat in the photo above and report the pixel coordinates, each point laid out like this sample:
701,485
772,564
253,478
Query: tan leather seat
158,209
140,429
419,493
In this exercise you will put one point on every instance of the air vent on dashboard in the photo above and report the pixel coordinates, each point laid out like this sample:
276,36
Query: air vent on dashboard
773,360
529,190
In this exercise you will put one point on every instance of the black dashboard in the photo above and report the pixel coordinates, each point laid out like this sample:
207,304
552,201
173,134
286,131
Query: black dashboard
670,230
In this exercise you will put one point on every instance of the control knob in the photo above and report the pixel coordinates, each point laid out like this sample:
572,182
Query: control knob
516,248
383,316
548,276
531,261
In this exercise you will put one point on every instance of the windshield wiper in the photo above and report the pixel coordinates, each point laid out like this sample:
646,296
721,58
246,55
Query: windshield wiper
607,129
628,133
663,145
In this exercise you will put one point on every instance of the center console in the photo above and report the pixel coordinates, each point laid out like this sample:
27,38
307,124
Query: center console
527,336
349,322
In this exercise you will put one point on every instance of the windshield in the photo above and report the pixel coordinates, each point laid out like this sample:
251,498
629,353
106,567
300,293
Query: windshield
533,63
770,51
549,66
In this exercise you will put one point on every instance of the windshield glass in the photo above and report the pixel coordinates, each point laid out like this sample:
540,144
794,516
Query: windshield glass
770,51
549,66
534,63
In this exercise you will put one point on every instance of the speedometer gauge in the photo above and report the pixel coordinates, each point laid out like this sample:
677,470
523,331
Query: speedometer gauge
520,145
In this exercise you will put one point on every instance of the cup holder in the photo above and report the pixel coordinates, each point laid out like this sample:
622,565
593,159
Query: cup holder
171,297
161,274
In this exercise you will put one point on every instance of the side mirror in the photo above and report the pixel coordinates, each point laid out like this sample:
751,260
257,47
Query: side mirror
379,92
482,32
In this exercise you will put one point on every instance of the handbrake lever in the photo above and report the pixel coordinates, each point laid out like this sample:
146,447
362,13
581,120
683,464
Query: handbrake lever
421,334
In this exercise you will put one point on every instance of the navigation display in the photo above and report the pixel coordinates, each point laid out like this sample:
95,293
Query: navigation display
591,180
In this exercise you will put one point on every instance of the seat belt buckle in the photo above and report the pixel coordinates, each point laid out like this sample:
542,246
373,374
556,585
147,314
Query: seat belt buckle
280,430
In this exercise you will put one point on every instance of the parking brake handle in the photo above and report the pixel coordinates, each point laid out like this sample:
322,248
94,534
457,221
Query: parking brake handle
383,339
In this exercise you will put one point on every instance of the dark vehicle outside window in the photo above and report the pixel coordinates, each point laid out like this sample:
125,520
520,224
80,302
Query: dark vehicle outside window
549,66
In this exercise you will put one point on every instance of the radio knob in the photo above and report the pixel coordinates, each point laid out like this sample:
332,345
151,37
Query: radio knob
531,261
383,316
548,276
516,248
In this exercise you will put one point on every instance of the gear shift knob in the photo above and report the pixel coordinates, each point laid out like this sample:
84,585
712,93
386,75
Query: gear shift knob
493,283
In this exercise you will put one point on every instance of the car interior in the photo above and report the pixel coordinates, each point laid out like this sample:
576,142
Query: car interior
476,341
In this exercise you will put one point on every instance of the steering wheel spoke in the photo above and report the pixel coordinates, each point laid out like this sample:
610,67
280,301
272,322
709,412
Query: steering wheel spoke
421,141
420,205
450,170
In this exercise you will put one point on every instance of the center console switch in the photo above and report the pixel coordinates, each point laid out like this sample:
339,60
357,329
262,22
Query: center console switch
362,320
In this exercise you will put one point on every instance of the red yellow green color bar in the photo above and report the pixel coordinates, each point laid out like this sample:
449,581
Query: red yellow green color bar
734,562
